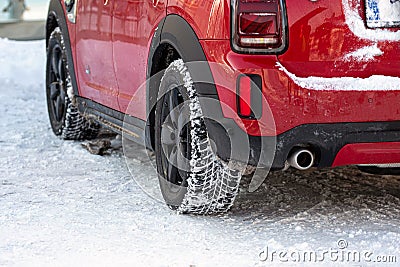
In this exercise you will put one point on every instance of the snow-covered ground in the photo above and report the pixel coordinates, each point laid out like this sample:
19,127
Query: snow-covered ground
61,206
37,10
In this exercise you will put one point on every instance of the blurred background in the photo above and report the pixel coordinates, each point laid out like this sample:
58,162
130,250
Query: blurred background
23,19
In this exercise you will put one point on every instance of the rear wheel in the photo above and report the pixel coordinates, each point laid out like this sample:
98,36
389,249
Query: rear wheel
65,119
192,178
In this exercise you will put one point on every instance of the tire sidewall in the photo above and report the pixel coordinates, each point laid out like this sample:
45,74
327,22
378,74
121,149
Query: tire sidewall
56,38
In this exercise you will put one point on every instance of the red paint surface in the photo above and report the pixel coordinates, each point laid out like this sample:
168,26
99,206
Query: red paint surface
245,96
368,153
134,23
94,54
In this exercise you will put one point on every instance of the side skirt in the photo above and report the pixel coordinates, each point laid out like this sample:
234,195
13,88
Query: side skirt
131,127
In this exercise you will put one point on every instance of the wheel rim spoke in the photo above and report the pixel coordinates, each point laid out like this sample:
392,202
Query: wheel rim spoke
168,135
58,108
173,111
54,90
55,61
172,166
62,93
56,87
61,69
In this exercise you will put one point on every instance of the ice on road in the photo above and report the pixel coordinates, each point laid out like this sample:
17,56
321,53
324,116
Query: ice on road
61,206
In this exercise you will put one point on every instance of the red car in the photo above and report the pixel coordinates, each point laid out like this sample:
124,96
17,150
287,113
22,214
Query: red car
222,88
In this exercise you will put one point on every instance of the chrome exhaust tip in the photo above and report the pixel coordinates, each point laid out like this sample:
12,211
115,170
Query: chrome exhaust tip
302,159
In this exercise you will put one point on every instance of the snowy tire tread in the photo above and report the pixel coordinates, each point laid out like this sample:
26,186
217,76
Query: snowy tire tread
77,127
211,186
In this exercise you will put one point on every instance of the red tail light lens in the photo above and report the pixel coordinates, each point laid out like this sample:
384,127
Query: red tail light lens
258,26
249,96
244,95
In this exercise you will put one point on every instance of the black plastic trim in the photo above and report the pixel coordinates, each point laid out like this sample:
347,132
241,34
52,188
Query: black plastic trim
177,32
155,42
113,119
326,140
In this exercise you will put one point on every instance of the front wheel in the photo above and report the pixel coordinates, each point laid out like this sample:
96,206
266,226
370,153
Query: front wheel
192,178
65,119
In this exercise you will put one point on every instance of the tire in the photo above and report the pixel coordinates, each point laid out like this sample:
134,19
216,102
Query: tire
65,119
192,179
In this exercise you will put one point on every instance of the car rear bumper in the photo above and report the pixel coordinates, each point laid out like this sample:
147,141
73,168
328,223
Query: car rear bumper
334,144
375,154
292,101
340,126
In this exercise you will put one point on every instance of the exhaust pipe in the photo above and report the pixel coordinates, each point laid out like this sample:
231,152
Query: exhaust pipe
301,159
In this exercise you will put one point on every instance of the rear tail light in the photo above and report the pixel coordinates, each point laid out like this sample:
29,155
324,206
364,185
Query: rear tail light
258,26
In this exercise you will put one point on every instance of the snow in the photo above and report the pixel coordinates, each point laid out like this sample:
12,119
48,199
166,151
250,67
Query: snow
37,10
61,206
372,83
364,54
357,26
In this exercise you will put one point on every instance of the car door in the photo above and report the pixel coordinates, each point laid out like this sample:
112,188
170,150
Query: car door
133,27
94,52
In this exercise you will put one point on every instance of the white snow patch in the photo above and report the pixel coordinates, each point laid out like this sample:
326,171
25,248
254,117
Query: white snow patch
364,54
357,26
373,83
20,64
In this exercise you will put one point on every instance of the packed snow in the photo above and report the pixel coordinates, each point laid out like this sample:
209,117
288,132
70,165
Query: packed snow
36,10
372,83
61,206
364,54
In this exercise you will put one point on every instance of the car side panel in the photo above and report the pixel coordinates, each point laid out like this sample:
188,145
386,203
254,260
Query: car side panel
94,55
209,19
134,24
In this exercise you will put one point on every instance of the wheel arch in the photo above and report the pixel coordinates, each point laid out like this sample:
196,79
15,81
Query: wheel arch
175,38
